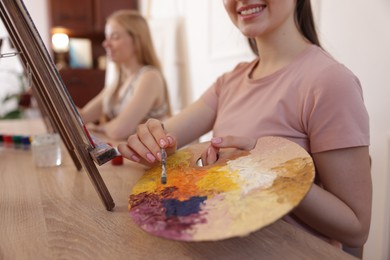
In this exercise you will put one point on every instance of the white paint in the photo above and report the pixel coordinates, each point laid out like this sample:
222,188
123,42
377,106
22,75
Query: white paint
251,172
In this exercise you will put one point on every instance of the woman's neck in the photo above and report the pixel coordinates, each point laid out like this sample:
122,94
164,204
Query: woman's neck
278,50
130,69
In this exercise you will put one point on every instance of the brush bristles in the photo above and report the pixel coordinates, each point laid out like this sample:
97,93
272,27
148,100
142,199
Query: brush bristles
103,153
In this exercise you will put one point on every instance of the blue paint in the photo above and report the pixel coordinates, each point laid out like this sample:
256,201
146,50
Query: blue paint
176,207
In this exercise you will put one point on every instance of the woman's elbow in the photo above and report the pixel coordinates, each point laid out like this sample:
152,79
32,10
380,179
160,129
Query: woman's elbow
358,238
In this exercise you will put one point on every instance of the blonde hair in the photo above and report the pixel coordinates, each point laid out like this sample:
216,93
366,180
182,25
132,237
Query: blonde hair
137,27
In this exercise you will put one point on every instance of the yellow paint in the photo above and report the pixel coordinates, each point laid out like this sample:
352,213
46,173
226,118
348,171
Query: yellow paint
187,179
218,181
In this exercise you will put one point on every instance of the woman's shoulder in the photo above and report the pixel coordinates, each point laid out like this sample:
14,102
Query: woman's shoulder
322,61
148,69
322,74
320,65
149,72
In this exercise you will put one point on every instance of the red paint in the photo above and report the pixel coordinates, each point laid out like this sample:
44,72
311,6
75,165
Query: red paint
117,160
7,139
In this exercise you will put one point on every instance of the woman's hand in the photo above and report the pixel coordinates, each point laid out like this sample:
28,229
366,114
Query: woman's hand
211,155
145,145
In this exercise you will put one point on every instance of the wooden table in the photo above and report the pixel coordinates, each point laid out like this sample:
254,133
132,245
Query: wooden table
55,213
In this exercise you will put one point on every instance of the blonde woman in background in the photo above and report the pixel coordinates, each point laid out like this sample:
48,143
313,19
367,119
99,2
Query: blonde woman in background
139,91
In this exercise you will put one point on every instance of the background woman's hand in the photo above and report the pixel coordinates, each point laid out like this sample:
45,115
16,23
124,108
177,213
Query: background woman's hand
145,145
211,155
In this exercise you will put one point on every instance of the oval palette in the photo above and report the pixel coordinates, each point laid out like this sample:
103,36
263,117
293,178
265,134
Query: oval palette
239,194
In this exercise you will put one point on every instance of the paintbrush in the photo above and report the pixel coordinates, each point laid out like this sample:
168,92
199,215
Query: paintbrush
163,166
101,152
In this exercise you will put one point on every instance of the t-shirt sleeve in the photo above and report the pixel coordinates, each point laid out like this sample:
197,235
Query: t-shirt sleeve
336,115
211,95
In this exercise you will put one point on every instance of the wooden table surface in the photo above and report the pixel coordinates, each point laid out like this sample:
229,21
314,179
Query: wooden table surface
55,213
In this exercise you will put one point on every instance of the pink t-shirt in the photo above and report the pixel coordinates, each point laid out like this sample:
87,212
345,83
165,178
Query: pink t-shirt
314,101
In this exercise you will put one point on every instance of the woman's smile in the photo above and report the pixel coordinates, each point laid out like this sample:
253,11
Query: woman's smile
250,11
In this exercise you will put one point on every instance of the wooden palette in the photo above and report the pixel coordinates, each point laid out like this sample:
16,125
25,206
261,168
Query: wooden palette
241,193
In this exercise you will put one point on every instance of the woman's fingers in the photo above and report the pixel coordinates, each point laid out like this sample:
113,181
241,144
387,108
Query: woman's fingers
129,154
145,145
146,140
210,156
239,142
160,139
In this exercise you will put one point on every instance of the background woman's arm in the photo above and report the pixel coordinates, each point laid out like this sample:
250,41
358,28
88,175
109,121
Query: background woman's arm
149,91
93,110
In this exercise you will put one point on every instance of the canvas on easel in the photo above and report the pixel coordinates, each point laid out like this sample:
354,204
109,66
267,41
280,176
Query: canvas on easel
57,108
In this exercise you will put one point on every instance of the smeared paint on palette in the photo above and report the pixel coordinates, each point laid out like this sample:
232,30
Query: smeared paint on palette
241,193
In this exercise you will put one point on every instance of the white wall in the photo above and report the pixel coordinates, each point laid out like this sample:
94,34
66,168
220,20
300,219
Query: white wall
11,67
38,10
213,45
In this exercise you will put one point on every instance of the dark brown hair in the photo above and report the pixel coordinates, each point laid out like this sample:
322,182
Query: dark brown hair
305,23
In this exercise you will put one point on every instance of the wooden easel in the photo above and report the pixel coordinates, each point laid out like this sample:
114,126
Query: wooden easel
57,108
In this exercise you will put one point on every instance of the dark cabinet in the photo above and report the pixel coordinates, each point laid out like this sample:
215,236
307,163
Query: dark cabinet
84,19
83,84
104,8
75,15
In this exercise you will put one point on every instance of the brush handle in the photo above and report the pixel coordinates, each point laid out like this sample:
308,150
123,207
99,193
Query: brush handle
163,166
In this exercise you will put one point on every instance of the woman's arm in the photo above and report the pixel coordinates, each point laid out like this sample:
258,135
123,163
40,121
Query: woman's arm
148,90
144,146
93,110
193,122
342,208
